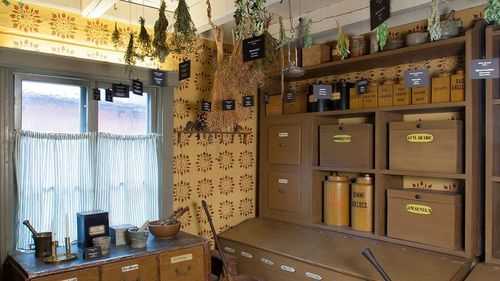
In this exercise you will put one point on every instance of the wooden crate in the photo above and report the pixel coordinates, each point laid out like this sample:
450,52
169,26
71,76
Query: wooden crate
441,88
317,54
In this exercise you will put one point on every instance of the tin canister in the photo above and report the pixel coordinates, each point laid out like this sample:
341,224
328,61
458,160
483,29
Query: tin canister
336,200
362,204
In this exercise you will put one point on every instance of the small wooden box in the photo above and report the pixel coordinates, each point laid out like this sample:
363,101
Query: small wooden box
346,146
317,54
274,105
182,265
355,99
402,95
430,146
386,94
294,103
441,88
458,86
433,218
420,95
370,98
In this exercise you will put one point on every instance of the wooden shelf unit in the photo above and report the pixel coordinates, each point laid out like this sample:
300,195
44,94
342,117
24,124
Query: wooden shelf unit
312,175
492,167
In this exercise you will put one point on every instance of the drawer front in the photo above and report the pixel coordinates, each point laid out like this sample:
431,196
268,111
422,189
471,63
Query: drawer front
284,145
91,274
183,265
143,269
283,192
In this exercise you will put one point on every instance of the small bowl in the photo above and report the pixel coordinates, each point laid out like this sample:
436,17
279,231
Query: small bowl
102,242
138,239
416,38
164,231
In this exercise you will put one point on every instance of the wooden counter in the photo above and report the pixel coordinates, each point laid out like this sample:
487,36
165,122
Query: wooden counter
484,272
263,240
186,255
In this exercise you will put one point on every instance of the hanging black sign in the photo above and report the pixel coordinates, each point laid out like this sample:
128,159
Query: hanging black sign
158,77
322,92
485,69
109,95
290,97
254,48
248,101
96,93
362,86
228,105
417,78
184,70
206,106
121,90
380,11
137,87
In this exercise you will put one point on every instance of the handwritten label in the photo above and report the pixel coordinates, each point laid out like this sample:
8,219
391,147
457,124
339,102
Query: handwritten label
322,92
419,209
137,87
182,258
420,138
158,77
417,78
254,48
97,230
342,138
485,69
184,70
121,90
380,11
129,268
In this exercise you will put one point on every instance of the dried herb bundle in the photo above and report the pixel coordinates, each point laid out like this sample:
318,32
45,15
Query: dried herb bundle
115,36
434,22
160,48
184,37
6,2
144,41
130,54
382,33
343,48
251,18
492,12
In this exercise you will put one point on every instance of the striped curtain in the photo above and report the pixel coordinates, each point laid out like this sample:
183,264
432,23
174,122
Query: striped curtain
59,175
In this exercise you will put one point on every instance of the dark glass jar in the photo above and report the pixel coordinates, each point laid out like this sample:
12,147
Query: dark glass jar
340,97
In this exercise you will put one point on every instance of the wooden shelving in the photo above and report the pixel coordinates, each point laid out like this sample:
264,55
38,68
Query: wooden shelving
424,174
344,170
345,229
443,48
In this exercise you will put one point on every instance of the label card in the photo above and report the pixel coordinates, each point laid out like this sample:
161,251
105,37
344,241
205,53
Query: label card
109,95
228,105
254,48
92,253
248,101
121,90
362,86
322,92
184,70
485,69
290,97
206,106
417,78
158,77
137,87
380,11
96,93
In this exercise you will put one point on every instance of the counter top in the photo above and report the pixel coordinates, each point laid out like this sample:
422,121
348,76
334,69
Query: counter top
484,272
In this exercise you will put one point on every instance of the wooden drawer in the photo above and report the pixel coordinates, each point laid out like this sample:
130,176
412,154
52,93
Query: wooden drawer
141,269
91,274
183,265
284,191
284,145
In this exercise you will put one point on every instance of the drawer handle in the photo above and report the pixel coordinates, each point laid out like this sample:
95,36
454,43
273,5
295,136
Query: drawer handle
179,272
287,268
246,255
267,261
229,250
71,279
129,268
313,276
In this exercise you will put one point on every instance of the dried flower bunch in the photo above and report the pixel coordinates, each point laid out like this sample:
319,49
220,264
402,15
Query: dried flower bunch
492,12
130,55
115,36
184,36
143,41
160,48
382,33
434,22
343,48
251,18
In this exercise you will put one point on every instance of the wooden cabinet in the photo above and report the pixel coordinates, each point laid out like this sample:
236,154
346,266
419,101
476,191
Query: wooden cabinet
91,274
142,269
182,265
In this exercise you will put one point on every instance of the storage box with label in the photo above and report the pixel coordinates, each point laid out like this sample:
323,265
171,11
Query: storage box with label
355,99
458,86
402,94
346,146
428,146
421,95
294,103
370,98
386,94
316,54
441,88
274,105
434,218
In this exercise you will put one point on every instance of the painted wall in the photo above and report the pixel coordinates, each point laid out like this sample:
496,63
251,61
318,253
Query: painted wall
222,171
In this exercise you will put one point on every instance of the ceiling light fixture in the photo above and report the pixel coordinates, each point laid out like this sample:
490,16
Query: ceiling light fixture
97,8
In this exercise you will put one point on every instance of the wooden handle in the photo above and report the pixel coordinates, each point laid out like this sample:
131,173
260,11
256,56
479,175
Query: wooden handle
30,227
367,253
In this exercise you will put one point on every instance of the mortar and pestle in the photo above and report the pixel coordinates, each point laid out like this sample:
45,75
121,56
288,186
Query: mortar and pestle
43,241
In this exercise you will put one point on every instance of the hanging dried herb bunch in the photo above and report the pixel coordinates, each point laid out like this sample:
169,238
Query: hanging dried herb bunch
6,2
184,37
144,41
160,48
115,36
251,18
343,48
382,33
130,54
492,12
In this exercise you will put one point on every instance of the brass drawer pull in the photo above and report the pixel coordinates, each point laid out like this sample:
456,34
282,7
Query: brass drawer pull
313,276
267,261
129,268
229,250
246,255
287,268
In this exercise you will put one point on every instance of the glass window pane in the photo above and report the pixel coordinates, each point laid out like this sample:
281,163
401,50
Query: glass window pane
124,116
54,108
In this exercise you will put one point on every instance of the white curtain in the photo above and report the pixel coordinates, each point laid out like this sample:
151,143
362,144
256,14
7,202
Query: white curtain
62,174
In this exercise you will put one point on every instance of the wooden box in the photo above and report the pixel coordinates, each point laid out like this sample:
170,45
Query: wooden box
441,88
386,94
402,95
346,146
284,144
355,99
274,105
294,103
420,95
458,86
283,192
370,98
317,54
134,269
432,218
429,146
183,265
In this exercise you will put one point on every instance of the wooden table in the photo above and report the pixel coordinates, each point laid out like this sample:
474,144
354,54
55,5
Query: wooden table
185,258
484,272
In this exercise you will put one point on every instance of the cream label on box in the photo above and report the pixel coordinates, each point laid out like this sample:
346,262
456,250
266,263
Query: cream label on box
418,209
71,279
246,255
267,261
283,135
287,268
181,258
313,276
342,138
283,181
420,138
229,250
97,230
129,268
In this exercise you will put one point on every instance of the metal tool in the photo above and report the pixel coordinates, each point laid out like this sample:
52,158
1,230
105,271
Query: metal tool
368,254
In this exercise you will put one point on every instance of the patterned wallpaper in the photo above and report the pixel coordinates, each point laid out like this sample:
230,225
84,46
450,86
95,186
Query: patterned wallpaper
221,170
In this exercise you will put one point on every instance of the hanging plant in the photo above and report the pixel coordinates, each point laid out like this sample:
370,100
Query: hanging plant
144,41
492,12
307,36
115,36
342,43
184,37
6,2
130,53
251,18
434,22
160,48
382,33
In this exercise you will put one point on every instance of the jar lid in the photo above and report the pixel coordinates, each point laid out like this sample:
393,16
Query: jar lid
338,178
366,179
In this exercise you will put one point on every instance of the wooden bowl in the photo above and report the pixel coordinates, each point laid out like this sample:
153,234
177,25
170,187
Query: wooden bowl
164,231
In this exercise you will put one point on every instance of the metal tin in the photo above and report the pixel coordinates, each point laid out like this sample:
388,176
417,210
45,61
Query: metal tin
336,200
362,204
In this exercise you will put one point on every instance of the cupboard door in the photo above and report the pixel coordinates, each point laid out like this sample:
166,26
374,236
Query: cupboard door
284,145
183,265
284,193
143,269
91,274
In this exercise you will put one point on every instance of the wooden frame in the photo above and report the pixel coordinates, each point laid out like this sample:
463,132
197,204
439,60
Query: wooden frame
311,174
